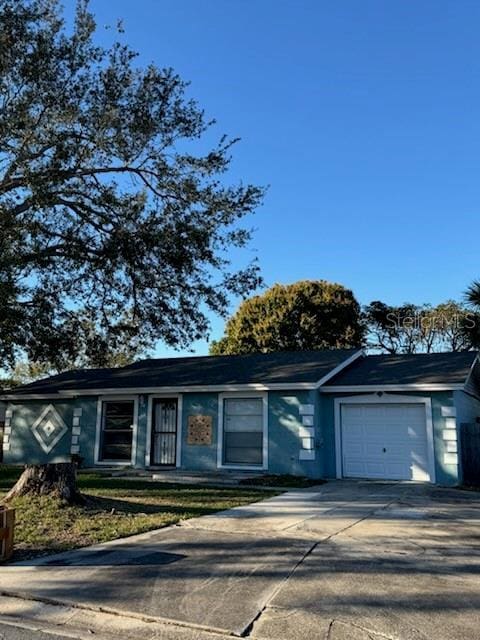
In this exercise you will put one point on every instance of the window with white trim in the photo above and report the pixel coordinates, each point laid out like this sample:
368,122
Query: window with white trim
243,431
117,430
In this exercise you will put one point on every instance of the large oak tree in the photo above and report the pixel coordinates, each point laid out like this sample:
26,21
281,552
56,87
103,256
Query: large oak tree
115,225
112,213
309,314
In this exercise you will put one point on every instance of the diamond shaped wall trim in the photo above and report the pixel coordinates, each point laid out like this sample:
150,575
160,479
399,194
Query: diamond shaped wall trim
49,428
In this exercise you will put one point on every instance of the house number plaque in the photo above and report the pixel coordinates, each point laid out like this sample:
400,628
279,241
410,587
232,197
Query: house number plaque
199,430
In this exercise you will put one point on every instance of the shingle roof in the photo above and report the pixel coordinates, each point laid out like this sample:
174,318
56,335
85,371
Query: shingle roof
431,368
263,368
288,367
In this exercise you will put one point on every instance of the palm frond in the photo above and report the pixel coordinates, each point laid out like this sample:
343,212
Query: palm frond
472,294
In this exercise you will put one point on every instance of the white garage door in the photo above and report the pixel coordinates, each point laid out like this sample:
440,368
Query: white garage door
387,441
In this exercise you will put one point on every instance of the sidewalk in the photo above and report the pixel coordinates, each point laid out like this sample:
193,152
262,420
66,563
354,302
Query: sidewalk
86,624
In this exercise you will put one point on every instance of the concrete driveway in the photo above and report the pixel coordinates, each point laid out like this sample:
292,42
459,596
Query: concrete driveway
347,560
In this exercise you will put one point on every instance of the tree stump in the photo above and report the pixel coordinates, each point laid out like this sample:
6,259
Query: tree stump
58,480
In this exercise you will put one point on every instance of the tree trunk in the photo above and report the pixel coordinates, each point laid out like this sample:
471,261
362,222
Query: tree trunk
59,480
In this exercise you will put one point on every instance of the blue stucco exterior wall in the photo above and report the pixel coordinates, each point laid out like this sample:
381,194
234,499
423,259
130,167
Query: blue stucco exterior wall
326,435
446,473
23,447
285,431
199,457
88,424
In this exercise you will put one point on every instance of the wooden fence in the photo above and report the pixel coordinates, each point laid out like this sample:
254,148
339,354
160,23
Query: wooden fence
7,525
470,448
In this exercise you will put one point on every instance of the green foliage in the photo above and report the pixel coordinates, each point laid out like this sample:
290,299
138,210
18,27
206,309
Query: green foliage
473,327
114,223
309,314
473,294
24,372
411,328
8,477
89,348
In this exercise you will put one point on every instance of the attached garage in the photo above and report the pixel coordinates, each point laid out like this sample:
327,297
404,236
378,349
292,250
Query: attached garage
399,416
384,441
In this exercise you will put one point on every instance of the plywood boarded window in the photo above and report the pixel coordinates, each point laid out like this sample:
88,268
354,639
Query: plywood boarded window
199,430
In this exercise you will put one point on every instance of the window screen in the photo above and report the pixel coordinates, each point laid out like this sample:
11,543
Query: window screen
243,431
117,429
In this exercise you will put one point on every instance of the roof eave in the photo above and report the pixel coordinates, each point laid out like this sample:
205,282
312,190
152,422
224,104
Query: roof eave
75,393
419,386
343,365
476,360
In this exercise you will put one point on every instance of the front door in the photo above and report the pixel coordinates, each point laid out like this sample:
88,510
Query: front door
164,432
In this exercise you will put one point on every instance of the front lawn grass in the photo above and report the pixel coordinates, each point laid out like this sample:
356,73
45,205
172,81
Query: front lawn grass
115,508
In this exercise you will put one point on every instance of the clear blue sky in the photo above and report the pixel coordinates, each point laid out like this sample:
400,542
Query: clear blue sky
363,117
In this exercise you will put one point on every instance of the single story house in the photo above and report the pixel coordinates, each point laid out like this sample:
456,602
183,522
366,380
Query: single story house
321,414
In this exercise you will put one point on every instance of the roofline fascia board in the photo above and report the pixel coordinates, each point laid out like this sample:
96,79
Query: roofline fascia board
472,368
284,386
37,396
422,386
340,367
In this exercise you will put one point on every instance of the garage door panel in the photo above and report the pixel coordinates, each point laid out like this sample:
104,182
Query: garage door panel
396,413
420,472
416,434
356,430
385,441
375,469
353,468
374,430
373,449
397,470
356,411
354,449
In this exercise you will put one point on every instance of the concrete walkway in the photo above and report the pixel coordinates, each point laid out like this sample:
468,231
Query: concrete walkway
226,477
347,560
